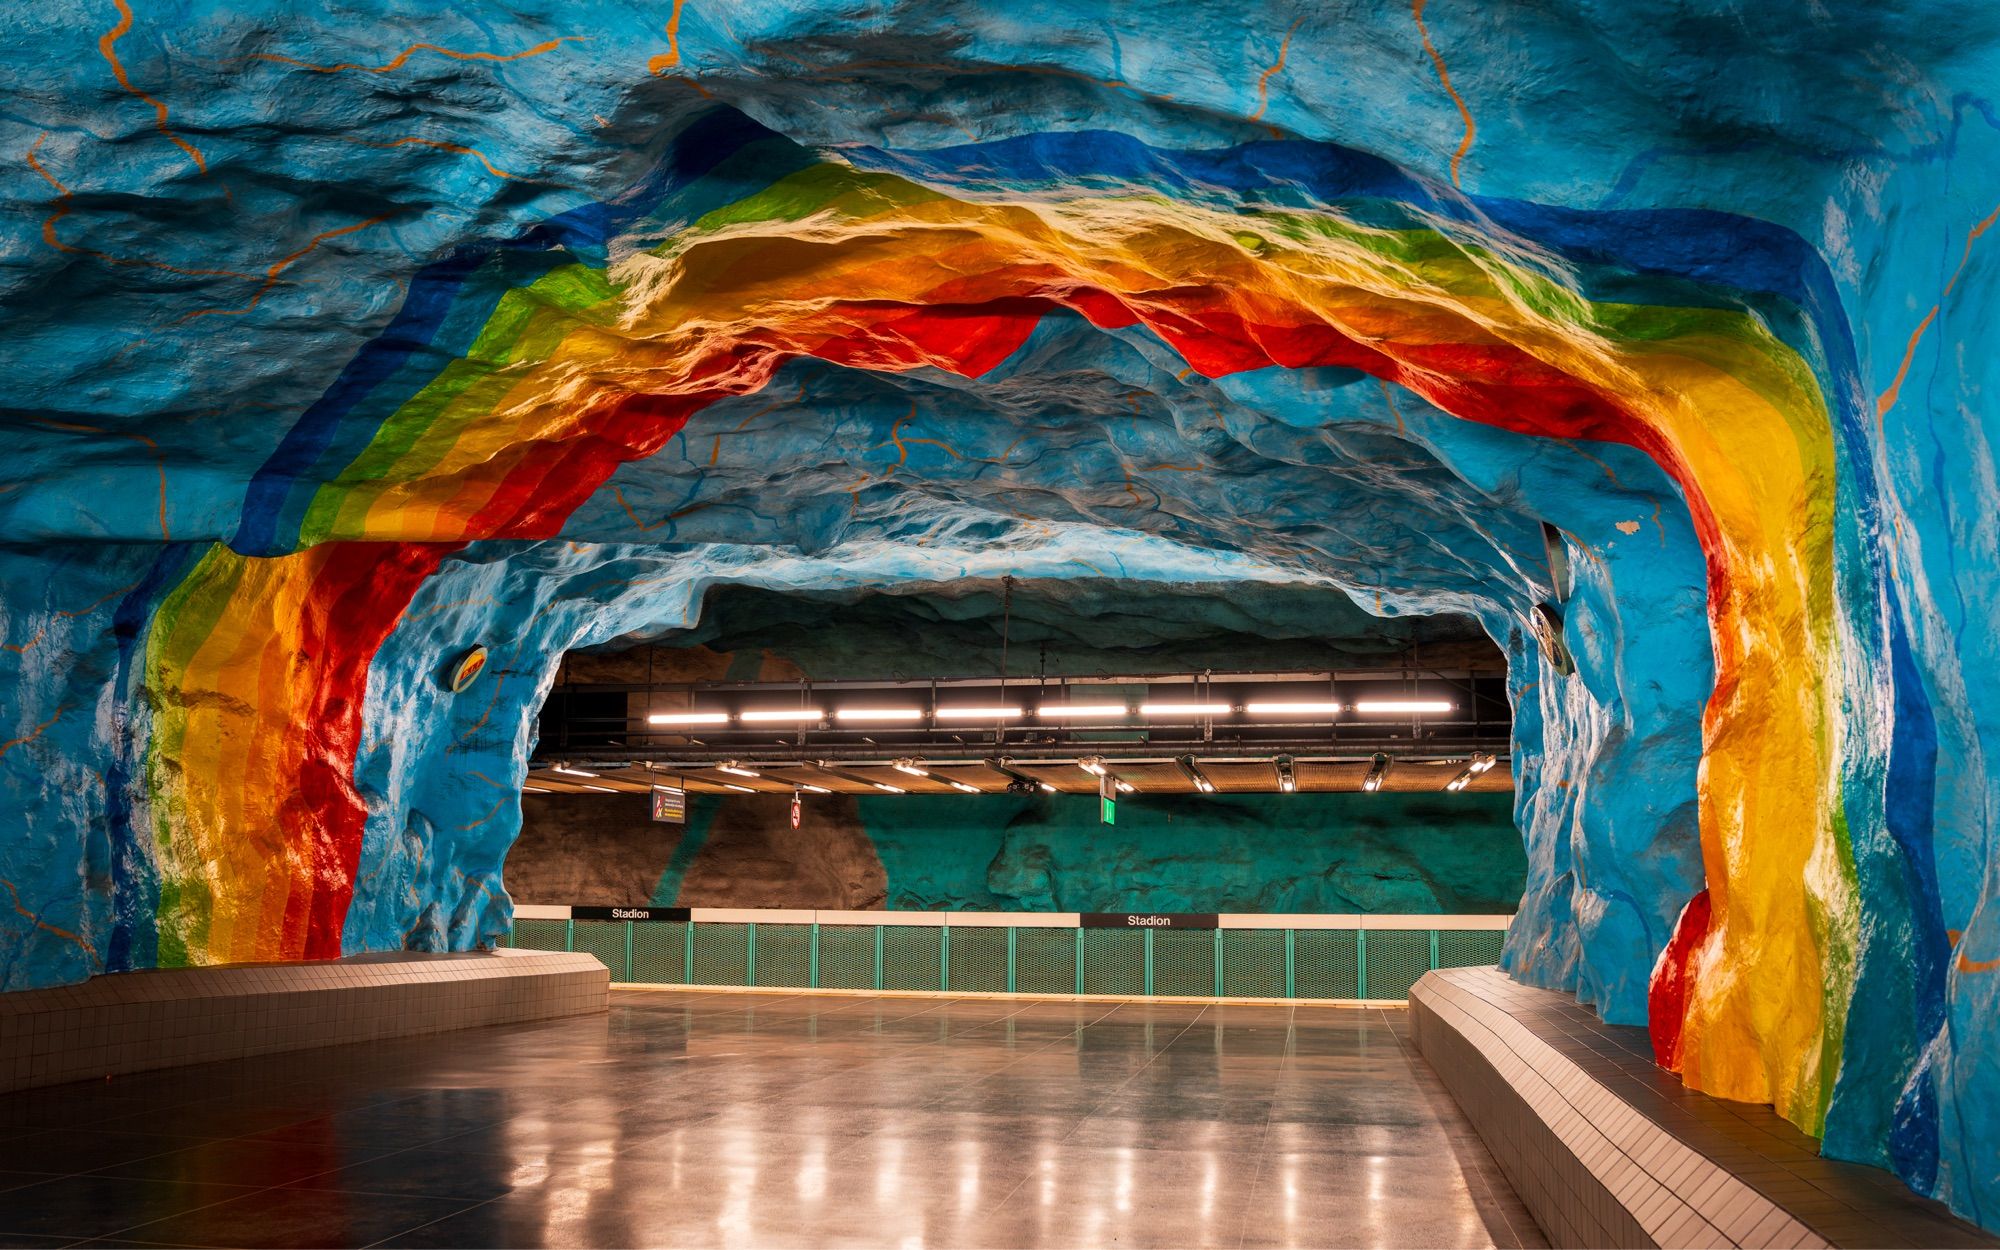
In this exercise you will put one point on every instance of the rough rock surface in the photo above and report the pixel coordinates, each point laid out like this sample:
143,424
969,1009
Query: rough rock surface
339,339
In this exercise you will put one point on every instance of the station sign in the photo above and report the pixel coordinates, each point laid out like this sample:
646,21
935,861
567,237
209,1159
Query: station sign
1148,920
658,915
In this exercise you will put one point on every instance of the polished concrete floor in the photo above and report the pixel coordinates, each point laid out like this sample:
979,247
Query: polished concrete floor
694,1119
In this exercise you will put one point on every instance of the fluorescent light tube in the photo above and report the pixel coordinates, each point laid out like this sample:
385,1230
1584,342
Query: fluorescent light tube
768,715
1046,787
1058,711
960,785
535,789
1094,767
1402,705
599,789
736,770
814,789
730,785
1124,787
909,767
567,771
977,713
883,785
1292,709
878,713
1183,709
688,718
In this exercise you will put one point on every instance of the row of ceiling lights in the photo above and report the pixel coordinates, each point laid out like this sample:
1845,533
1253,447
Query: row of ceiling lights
1378,771
1050,711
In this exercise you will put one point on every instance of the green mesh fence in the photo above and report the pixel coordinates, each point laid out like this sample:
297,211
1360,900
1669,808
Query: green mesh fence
1045,961
721,954
1396,958
1184,962
912,957
978,960
1238,963
1468,948
606,940
784,954
540,935
1253,963
659,953
1324,964
847,957
1114,961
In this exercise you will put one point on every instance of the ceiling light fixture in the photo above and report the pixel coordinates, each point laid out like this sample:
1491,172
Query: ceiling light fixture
1046,787
878,713
737,770
600,789
1288,781
567,771
688,718
1092,765
1124,786
961,786
1054,711
1294,709
977,713
909,767
1461,781
885,786
814,789
1378,769
1481,763
1371,706
770,715
535,789
1194,774
730,785
1184,709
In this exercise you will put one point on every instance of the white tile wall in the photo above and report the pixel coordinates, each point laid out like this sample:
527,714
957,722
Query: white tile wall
136,1021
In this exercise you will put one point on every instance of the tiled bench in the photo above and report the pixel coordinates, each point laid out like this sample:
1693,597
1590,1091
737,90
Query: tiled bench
1606,1149
136,1021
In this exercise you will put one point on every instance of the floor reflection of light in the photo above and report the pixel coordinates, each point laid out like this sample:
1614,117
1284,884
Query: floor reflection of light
1378,1178
1291,1193
968,1173
812,1172
1121,1190
889,1179
1048,1178
1208,1182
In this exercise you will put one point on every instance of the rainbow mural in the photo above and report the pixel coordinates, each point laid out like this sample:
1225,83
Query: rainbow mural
515,371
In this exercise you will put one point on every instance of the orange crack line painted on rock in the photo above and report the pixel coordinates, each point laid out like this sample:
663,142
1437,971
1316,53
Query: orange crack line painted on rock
19,648
619,495
43,925
159,457
107,45
672,58
63,205
1277,66
415,48
37,732
441,145
1444,76
715,452
271,274
1887,399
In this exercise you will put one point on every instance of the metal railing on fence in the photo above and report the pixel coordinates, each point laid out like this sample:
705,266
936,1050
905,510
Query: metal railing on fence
1349,957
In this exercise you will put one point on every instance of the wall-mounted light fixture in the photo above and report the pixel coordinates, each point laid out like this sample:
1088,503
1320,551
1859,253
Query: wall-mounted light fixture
735,769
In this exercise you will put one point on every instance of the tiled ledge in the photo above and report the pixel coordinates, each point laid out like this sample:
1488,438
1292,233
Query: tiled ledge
1608,1150
136,1021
